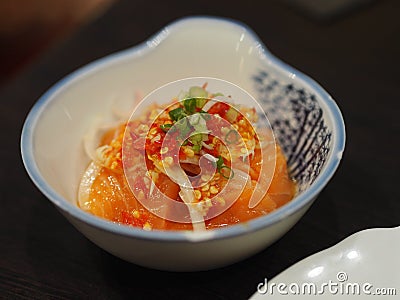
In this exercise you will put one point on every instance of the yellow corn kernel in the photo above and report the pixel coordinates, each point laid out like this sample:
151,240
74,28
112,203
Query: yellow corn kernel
197,194
189,152
205,187
205,177
168,161
115,144
147,226
156,138
213,190
164,150
136,214
153,131
250,143
224,130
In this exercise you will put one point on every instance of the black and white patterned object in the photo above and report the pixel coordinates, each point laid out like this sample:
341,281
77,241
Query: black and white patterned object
298,124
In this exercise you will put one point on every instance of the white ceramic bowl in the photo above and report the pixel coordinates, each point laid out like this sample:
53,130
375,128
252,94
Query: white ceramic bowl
306,121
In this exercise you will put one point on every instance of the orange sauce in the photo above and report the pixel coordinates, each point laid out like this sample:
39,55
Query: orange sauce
111,198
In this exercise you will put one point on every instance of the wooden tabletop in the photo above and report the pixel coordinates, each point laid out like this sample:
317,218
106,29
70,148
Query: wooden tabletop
353,55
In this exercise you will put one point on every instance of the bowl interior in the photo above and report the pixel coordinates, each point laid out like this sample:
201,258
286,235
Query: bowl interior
296,107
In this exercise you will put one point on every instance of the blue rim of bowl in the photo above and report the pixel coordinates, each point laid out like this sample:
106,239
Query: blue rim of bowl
290,208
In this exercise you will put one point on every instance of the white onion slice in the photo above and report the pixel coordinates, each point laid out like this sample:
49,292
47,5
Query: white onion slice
187,195
207,146
85,186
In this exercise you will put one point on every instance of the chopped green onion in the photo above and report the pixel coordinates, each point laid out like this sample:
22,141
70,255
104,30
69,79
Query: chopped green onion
232,137
221,166
189,105
183,128
196,138
231,114
165,127
196,148
231,173
177,114
200,102
220,163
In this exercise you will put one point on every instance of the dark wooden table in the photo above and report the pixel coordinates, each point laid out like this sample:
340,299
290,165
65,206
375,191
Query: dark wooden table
355,56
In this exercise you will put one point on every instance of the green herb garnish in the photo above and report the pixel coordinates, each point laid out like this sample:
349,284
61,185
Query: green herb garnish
221,167
183,128
177,114
196,138
196,148
222,172
165,127
232,137
220,163
190,105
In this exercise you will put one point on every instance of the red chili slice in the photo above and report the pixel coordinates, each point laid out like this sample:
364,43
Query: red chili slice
219,108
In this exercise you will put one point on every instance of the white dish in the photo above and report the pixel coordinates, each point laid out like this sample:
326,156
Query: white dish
308,125
360,265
